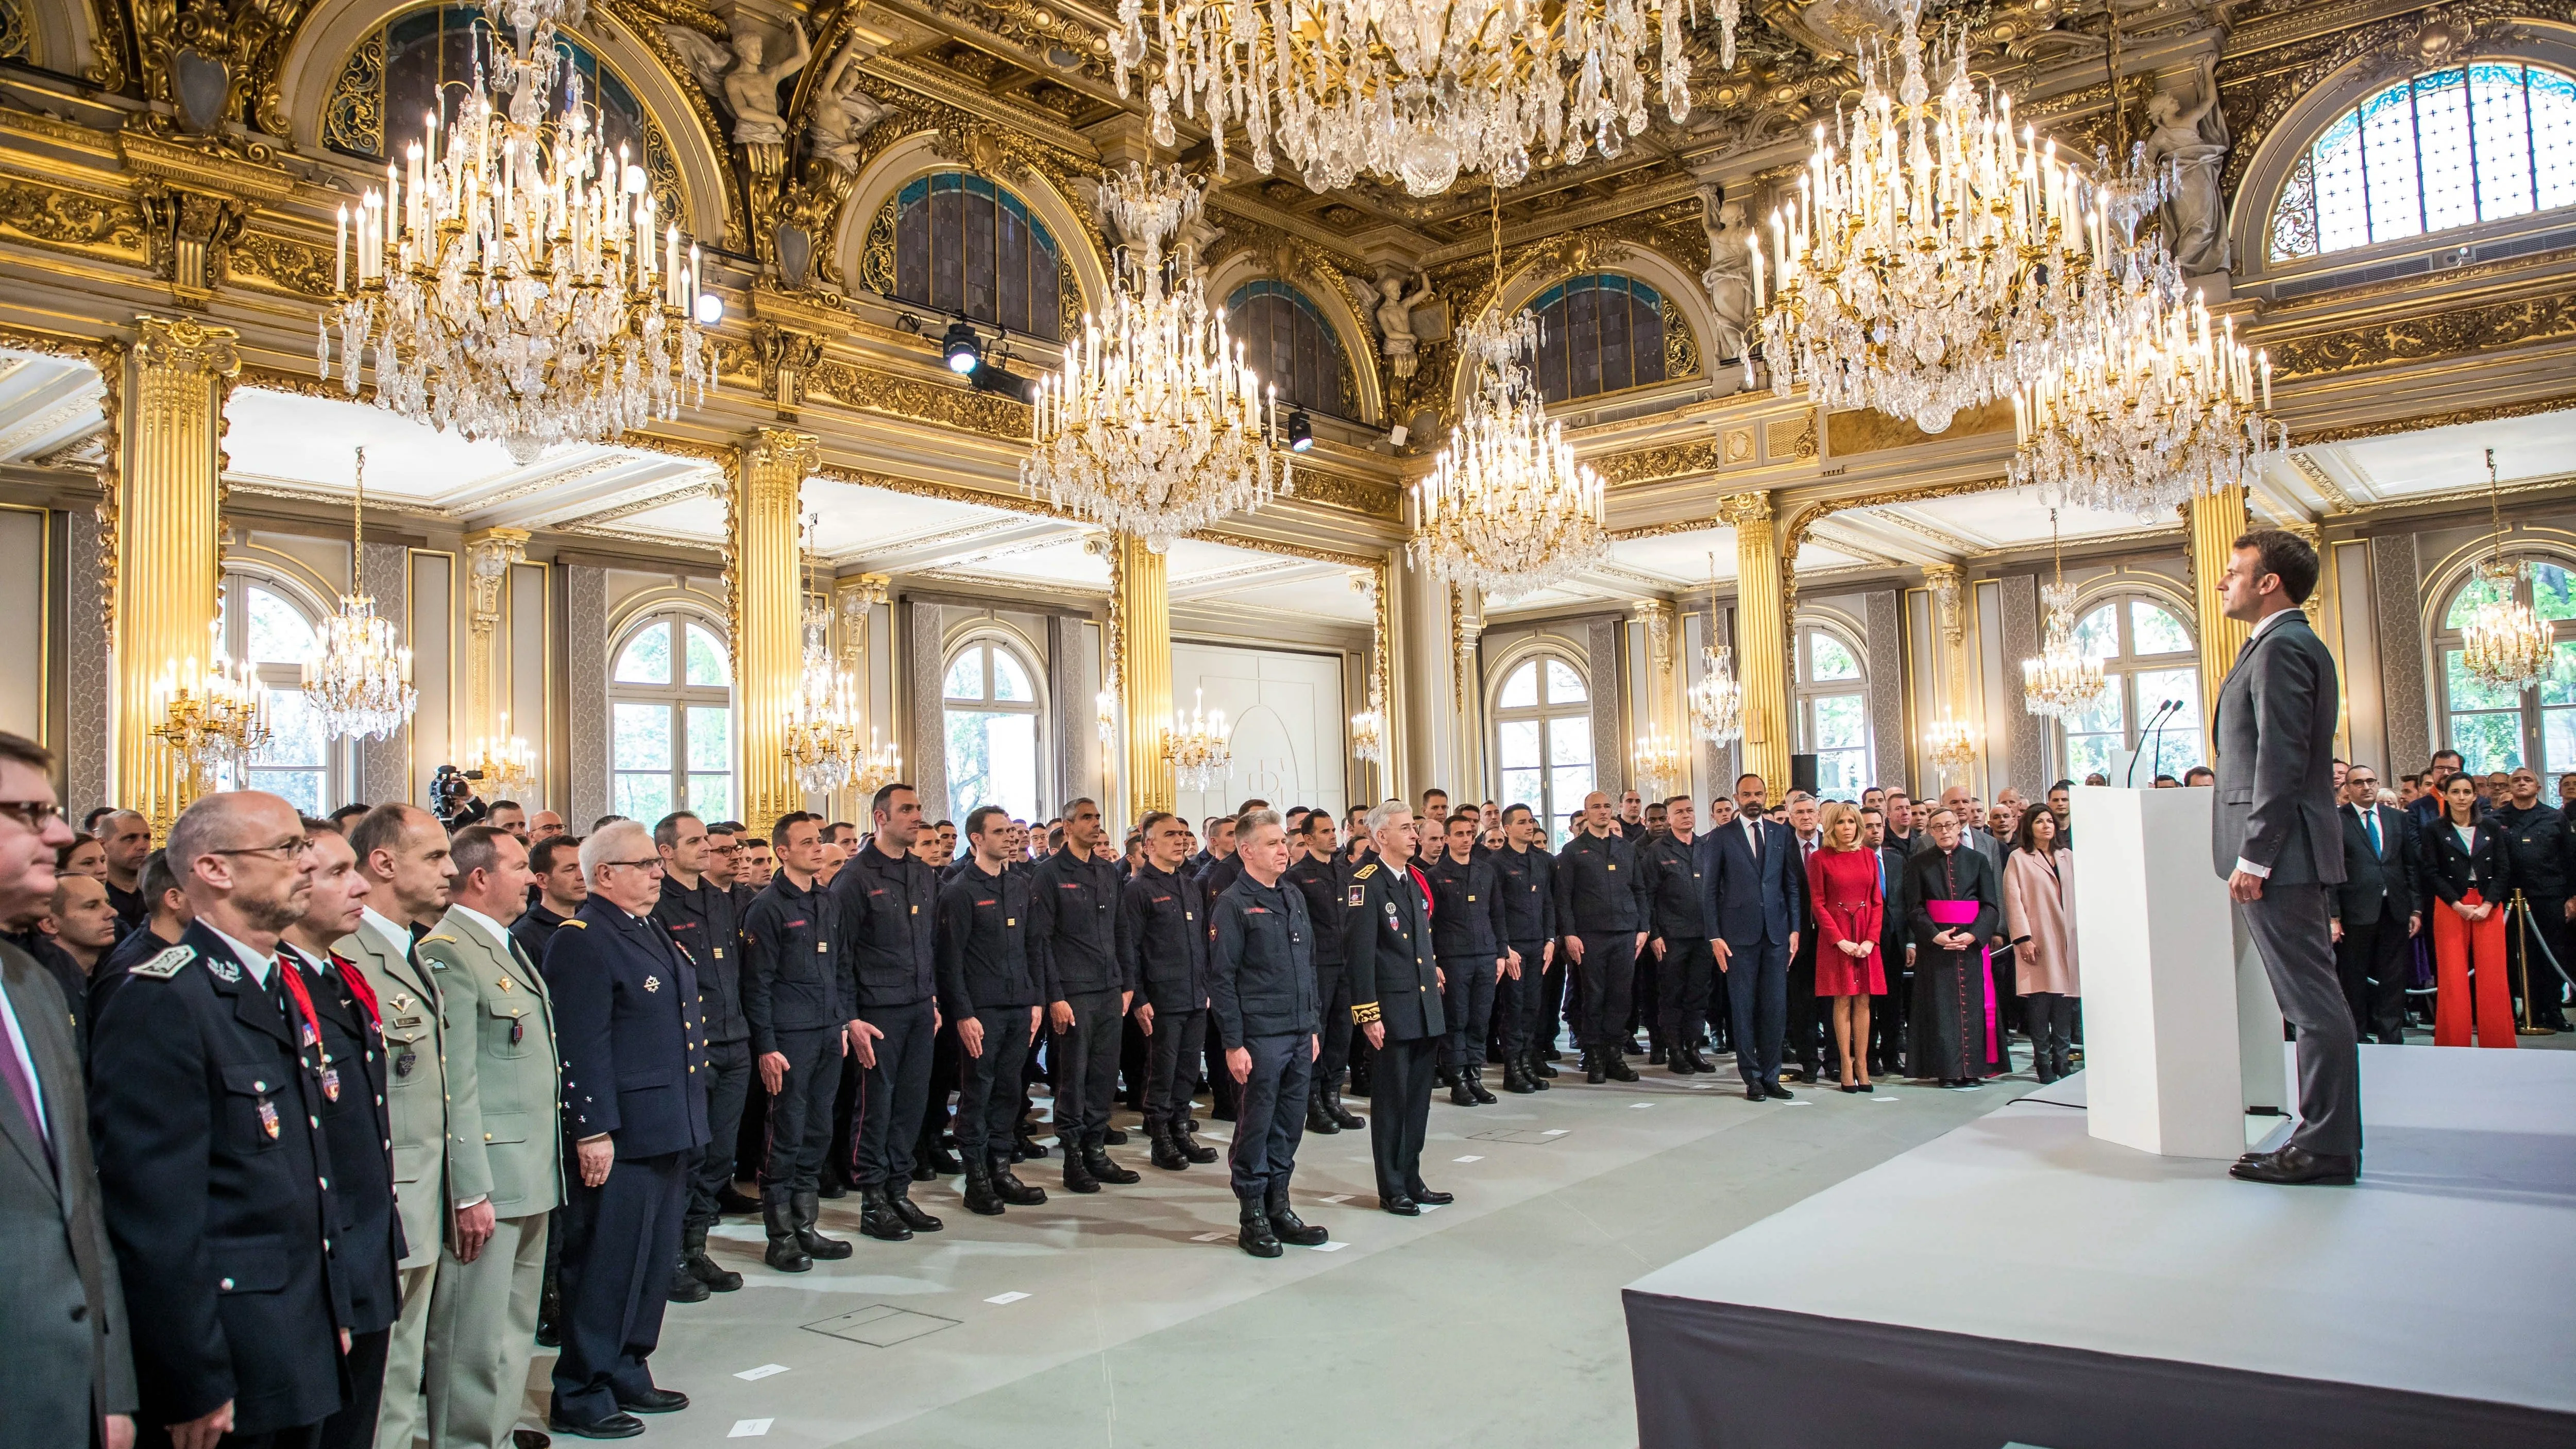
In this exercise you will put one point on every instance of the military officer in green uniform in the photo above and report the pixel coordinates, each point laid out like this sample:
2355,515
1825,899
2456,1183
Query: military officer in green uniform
1395,1001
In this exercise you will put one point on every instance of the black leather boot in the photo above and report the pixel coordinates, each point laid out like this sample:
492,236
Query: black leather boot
1105,1168
1616,1064
1475,1077
816,1246
685,1287
1077,1171
1008,1187
1456,1079
778,1219
1655,1056
1191,1147
878,1219
1256,1237
693,1254
1027,1145
899,1197
981,1200
1348,1120
1543,1067
1167,1152
1516,1077
1287,1227
935,1152
1319,1122
1593,1071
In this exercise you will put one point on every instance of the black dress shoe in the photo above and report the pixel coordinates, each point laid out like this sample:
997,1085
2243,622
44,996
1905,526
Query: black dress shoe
1617,1066
1429,1198
530,1438
1287,1227
1115,1137
1755,1093
2295,1167
727,1201
654,1401
1776,1092
615,1426
1403,1207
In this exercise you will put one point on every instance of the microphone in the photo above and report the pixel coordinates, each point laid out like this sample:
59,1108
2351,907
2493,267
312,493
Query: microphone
2156,724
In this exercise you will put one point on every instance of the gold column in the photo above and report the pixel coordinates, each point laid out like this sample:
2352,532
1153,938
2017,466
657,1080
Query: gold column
1761,640
1144,621
2216,521
768,612
1949,601
168,564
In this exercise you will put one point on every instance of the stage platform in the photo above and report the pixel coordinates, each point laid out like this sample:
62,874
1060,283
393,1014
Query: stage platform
2016,1282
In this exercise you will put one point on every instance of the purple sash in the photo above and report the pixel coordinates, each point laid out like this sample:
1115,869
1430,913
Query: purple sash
1964,913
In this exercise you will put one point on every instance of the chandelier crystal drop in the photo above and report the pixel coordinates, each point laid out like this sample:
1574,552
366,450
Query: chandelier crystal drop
358,678
511,279
1368,731
1413,91
2138,404
1198,749
1156,425
1915,264
1716,703
2505,645
821,737
2064,682
1506,508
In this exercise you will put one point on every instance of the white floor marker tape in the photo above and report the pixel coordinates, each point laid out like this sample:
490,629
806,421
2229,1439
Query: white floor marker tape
1338,1198
1006,1298
1640,1106
1331,1247
750,1428
762,1372
1556,1131
1210,1237
1470,1158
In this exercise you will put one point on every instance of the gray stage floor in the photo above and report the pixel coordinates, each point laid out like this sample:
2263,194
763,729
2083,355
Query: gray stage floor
2442,1273
1495,1322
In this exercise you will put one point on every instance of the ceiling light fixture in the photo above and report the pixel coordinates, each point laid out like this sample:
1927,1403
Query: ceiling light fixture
2505,644
358,678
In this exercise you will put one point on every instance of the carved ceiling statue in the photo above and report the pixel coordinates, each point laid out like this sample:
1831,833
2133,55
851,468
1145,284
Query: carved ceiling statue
2193,138
1395,320
1729,277
842,113
749,88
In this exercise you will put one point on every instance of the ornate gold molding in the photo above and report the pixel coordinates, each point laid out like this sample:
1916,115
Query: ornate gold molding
62,219
1358,495
2467,331
1795,535
1668,460
2382,427
869,389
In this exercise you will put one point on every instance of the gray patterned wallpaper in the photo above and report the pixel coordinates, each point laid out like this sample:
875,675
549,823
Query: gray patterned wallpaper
1886,645
2401,650
86,687
586,669
2024,755
384,766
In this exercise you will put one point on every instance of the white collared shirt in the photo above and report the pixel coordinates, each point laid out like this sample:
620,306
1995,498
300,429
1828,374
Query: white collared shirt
390,936
257,963
492,928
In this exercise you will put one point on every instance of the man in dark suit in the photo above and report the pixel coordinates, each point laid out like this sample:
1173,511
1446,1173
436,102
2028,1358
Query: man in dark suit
65,1338
2535,835
1756,895
206,1094
2375,910
1395,1001
2274,839
626,1020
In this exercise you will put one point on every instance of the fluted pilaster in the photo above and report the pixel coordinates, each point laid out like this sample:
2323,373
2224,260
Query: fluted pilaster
1762,640
761,580
1144,621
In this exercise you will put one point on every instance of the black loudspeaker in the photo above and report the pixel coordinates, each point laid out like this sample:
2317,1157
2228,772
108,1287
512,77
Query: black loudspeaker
1802,773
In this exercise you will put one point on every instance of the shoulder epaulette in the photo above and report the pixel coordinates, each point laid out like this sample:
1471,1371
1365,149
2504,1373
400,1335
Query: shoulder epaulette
1364,872
568,921
167,964
425,940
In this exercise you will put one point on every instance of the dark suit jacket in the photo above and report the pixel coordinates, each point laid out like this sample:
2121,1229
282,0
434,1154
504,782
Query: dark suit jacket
626,1023
63,1337
2274,731
2452,870
1749,902
2382,884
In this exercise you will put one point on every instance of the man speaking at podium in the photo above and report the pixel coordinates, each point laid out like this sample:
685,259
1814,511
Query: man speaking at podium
2275,839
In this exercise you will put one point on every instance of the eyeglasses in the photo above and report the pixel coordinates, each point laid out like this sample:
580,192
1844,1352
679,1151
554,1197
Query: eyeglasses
650,862
34,814
724,849
283,850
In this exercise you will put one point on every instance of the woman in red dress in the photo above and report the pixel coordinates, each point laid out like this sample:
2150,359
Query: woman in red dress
1850,901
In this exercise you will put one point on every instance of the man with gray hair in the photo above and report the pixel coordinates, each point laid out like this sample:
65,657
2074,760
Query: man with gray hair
1386,947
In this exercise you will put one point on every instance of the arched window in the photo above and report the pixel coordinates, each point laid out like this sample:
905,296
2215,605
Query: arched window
955,242
427,58
993,729
2502,729
670,721
263,624
2148,656
1602,333
1833,711
1291,345
2449,148
1543,740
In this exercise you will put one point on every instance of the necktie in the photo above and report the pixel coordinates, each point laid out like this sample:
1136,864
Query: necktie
1753,836
2370,826
24,1089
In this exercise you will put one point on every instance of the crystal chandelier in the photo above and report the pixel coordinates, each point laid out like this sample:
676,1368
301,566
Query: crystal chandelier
881,766
1716,703
1656,762
1950,743
1415,91
212,716
821,737
503,766
1506,509
1916,261
2064,682
2137,404
1156,425
2505,644
1197,748
358,680
511,278
1368,731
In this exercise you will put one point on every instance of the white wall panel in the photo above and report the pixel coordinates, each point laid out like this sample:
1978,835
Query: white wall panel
1285,714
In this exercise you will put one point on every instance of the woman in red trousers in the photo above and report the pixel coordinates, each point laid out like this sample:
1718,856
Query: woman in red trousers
2466,861
1850,904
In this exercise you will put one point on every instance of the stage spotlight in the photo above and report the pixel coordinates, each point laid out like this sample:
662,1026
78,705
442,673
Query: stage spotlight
1301,431
964,350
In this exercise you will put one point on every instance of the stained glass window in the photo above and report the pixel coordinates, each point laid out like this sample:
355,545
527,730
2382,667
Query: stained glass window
957,243
1599,334
1291,345
2449,148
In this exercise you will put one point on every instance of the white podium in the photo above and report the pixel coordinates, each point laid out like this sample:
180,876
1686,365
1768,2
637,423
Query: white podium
2182,1036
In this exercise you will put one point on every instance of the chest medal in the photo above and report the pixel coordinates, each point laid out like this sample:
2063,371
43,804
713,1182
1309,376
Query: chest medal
268,1117
331,1083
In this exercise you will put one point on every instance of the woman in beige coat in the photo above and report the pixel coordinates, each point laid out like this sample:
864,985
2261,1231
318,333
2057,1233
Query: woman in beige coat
2039,916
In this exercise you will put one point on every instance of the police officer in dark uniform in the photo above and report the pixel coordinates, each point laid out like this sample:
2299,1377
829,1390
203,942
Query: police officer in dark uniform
214,1168
988,988
889,905
1073,936
1525,880
626,1020
796,999
1323,876
1164,933
700,916
1685,969
1262,988
1466,932
1602,909
1395,1001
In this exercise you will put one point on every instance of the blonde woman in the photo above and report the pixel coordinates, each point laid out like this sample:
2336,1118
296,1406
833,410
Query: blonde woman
1850,906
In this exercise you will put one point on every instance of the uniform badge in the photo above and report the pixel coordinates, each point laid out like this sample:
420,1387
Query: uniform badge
306,1036
331,1083
652,983
505,983
227,972
167,964
518,1030
1390,910
405,1062
268,1116
1358,896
